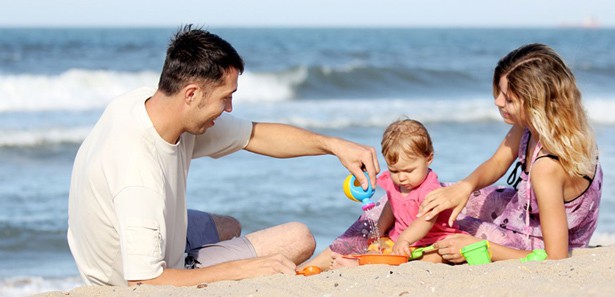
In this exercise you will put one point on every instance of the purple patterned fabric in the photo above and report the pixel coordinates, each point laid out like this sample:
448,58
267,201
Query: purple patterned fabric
355,239
499,213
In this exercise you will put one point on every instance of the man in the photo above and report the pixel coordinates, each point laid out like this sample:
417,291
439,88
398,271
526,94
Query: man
128,221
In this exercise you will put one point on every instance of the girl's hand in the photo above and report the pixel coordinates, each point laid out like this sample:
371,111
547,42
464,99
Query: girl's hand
450,247
401,247
454,196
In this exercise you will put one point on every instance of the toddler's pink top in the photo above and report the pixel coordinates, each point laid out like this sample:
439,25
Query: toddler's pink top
406,207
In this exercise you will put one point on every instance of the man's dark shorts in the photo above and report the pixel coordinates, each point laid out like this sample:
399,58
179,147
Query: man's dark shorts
203,245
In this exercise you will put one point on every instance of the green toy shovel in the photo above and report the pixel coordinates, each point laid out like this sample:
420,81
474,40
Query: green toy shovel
418,252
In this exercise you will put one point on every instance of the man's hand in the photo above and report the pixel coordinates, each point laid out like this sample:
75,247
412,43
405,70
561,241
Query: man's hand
234,270
357,158
268,265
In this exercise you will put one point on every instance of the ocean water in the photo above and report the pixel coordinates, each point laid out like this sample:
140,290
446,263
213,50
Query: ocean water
350,83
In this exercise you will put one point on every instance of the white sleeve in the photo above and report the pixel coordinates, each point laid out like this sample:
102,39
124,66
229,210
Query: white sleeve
228,135
141,229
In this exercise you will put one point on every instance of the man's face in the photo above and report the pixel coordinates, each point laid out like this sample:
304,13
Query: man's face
212,102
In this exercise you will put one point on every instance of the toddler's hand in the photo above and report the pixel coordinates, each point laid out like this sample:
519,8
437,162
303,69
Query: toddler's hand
401,247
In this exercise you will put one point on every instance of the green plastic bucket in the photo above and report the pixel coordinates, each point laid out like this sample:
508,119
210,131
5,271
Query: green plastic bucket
477,253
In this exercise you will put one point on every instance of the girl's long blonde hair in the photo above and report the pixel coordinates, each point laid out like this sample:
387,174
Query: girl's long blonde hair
552,102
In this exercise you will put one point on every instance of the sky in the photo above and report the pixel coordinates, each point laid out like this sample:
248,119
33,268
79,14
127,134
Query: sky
309,13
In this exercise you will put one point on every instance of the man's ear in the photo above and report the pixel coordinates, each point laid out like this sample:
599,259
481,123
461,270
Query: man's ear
190,91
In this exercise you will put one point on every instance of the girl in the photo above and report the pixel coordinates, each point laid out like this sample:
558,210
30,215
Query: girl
556,184
408,152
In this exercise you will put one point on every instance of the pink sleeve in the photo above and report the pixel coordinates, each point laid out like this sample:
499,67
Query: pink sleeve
384,180
431,183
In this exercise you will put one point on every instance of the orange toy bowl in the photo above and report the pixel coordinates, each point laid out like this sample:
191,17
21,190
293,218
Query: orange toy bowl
381,259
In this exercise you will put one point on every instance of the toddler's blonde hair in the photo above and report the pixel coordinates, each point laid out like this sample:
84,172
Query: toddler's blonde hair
405,136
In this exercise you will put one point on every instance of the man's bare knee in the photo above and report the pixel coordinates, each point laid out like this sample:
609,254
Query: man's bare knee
228,227
304,239
293,240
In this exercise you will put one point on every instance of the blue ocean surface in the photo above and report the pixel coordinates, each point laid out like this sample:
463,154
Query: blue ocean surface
350,83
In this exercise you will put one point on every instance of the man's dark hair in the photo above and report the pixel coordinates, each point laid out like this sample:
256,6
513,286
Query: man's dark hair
196,55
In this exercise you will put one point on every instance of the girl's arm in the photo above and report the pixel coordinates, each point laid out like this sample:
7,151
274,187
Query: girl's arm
456,196
548,181
417,230
450,249
386,220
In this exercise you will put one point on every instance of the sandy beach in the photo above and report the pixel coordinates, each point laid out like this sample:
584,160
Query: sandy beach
589,272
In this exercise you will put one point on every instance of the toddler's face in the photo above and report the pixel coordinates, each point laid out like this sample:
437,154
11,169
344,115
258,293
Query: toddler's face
409,171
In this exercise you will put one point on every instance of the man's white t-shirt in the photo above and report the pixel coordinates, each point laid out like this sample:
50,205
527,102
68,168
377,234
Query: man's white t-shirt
127,207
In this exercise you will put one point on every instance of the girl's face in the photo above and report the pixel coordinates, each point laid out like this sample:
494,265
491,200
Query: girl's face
510,107
410,171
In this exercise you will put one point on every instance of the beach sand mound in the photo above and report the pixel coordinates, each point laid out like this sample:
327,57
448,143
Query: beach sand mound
589,272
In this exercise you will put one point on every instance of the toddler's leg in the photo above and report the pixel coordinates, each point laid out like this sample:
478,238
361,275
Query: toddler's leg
322,260
340,261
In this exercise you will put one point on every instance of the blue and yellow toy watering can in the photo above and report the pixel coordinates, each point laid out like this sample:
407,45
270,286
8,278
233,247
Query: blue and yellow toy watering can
354,192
